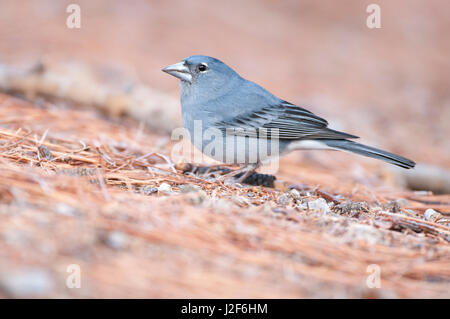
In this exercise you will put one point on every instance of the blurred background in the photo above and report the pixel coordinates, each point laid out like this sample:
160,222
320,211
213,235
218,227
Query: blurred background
390,86
387,85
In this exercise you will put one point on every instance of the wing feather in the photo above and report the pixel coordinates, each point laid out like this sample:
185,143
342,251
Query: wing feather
285,120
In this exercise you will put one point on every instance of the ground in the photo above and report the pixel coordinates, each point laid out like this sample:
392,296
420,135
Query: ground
87,182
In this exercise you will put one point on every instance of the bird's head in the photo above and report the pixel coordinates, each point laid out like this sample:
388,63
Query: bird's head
200,70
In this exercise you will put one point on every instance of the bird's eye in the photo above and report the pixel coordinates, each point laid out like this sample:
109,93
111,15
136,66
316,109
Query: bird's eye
202,67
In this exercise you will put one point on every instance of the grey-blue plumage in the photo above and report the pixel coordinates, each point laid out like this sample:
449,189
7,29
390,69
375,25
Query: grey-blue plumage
213,93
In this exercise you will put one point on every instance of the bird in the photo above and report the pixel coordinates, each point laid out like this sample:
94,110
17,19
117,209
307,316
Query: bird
250,124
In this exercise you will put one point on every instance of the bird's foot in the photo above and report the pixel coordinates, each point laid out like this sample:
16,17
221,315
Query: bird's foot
230,174
245,170
257,179
199,169
245,175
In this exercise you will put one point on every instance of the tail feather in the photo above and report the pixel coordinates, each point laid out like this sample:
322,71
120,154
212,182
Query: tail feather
369,151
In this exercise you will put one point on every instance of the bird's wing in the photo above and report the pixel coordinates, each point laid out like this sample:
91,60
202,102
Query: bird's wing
285,120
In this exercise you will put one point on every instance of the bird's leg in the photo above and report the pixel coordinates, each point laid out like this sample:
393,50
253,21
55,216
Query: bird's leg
247,170
232,173
199,169
215,168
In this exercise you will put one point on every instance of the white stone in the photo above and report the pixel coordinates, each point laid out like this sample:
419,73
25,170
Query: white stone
431,215
165,188
319,205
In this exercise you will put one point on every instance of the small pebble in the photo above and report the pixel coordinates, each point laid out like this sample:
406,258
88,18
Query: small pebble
431,215
422,193
148,190
165,188
116,240
295,194
283,200
319,205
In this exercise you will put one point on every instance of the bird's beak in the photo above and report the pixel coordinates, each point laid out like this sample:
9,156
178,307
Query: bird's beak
179,70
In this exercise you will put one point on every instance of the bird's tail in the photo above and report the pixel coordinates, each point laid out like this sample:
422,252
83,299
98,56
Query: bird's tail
350,146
